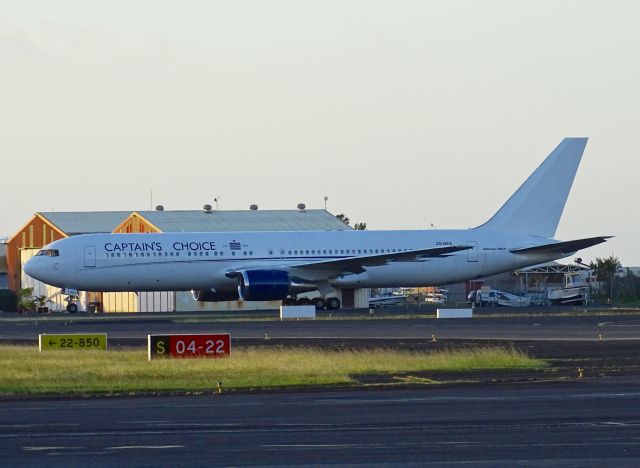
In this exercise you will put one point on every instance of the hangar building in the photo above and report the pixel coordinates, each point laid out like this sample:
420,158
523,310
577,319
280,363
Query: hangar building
45,227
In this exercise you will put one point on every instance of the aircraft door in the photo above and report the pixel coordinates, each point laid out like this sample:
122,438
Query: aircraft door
89,256
472,254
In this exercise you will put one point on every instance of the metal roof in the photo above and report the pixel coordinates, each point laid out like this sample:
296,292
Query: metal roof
85,222
245,220
551,268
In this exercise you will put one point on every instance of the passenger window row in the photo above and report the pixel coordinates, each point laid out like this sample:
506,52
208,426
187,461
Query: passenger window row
207,253
344,251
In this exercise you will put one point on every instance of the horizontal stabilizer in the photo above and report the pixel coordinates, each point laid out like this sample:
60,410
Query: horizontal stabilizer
562,247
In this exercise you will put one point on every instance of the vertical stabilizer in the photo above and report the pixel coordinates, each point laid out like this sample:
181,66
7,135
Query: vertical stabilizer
535,208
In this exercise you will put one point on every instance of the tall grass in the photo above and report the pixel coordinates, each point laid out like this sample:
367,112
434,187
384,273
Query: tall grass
24,370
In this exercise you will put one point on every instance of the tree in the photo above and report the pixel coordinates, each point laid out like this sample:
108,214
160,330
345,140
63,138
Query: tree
605,270
343,218
628,286
26,302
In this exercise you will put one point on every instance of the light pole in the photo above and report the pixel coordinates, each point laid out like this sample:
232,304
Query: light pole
579,262
611,294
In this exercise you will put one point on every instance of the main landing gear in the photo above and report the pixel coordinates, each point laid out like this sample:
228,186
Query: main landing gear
331,303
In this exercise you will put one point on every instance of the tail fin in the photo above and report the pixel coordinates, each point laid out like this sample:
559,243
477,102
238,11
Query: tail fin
535,208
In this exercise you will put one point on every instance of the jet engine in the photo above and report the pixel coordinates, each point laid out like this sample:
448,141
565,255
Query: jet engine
270,285
218,296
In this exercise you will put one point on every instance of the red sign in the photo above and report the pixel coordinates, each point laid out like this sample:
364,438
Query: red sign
188,346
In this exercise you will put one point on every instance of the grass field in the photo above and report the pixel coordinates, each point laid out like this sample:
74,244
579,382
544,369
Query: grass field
24,370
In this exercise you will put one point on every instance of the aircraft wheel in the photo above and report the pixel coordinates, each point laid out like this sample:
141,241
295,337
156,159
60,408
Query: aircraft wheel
319,303
303,301
72,308
333,303
287,301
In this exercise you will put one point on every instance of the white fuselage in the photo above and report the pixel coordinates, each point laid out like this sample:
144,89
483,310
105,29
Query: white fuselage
201,261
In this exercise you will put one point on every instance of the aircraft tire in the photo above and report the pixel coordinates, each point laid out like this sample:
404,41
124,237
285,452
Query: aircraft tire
319,302
303,301
333,303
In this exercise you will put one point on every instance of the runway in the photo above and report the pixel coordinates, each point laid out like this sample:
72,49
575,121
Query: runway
535,328
526,420
577,423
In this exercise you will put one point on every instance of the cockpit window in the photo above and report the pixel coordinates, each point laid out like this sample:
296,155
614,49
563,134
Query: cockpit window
48,253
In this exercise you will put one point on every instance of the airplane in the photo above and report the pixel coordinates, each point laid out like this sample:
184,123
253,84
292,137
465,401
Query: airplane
259,266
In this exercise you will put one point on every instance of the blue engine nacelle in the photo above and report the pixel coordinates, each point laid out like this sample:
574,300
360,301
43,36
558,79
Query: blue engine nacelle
264,285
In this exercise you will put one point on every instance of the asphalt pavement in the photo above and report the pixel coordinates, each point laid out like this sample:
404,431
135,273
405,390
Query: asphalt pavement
537,328
576,423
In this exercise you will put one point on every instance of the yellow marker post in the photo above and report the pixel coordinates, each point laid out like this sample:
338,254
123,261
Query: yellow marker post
72,341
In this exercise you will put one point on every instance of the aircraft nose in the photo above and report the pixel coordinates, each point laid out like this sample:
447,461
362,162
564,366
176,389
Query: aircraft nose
31,268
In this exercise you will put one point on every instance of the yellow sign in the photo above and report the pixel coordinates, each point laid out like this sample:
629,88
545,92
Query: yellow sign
73,341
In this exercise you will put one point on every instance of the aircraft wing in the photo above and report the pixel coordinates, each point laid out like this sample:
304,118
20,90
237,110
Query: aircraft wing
359,263
567,247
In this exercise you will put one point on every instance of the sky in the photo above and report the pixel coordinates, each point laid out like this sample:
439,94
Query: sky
406,115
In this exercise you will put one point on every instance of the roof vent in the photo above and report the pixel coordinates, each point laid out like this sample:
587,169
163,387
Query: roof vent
253,207
159,208
301,206
207,208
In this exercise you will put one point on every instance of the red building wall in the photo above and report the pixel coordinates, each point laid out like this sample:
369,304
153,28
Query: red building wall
35,234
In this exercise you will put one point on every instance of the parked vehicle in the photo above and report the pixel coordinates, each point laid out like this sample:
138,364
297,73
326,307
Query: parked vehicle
573,293
387,300
498,298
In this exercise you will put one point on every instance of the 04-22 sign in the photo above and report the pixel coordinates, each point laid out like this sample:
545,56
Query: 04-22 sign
189,346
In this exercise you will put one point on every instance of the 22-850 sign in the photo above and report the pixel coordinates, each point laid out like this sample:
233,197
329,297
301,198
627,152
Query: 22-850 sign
189,346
